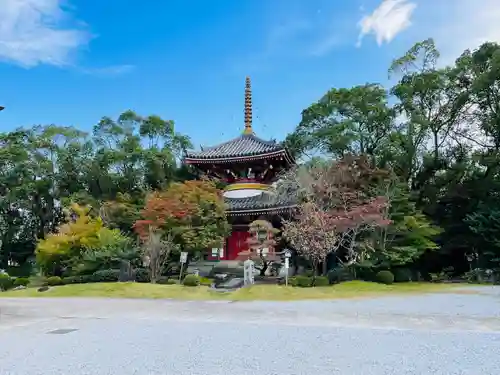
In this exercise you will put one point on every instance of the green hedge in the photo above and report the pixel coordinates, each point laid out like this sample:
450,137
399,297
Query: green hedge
23,271
6,282
339,274
106,276
191,280
54,281
402,275
320,281
385,277
21,281
142,275
303,281
81,279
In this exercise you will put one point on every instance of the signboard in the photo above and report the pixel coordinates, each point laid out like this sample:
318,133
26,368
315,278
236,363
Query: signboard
248,270
184,257
288,255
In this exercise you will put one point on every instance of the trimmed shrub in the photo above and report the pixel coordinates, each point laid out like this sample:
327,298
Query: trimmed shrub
105,276
385,277
54,281
81,279
304,281
142,275
308,273
321,281
339,274
191,280
292,281
402,275
21,281
6,282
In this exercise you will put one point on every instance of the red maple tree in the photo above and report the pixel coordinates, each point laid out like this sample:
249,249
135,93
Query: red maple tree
336,204
192,211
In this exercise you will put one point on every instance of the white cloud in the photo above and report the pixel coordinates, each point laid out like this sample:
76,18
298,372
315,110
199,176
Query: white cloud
454,24
389,19
34,32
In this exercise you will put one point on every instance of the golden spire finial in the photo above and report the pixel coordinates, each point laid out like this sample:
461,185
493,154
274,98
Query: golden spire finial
248,107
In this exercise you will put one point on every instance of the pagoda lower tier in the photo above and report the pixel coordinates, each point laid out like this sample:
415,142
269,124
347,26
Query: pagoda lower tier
243,211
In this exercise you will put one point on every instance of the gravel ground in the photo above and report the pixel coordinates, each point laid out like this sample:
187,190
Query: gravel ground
444,334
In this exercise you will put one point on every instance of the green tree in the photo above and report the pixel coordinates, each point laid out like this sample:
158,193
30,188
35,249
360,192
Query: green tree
348,121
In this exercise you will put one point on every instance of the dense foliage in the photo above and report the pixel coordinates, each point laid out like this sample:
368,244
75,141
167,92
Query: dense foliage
405,177
440,141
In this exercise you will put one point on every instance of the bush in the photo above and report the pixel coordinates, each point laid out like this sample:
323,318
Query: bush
309,273
321,281
339,274
362,273
54,281
21,281
402,275
23,271
81,279
292,281
304,281
385,277
191,280
162,280
106,276
172,282
142,275
6,282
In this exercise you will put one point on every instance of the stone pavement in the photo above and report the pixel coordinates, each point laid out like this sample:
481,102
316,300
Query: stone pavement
428,334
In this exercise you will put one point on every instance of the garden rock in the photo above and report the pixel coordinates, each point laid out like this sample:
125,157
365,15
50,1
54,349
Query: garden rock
233,283
43,288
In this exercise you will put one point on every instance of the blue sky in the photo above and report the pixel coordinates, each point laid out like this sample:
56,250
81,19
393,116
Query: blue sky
70,62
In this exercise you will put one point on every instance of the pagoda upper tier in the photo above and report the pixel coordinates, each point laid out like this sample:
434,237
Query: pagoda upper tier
243,149
248,165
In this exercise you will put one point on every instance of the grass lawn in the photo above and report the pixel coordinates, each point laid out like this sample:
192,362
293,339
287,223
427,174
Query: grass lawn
352,289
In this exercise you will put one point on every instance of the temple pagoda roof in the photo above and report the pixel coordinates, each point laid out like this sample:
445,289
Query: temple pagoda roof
244,148
265,203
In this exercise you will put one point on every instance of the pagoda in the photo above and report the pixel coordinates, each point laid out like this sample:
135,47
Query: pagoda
248,165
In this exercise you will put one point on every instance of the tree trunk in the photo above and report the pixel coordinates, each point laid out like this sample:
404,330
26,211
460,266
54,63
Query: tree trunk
265,266
325,267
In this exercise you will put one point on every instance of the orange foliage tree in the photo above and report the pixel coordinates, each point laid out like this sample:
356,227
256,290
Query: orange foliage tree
193,212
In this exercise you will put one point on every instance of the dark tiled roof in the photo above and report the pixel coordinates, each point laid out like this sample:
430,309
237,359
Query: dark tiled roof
245,145
263,202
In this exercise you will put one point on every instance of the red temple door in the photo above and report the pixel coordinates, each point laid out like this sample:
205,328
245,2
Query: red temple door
236,243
